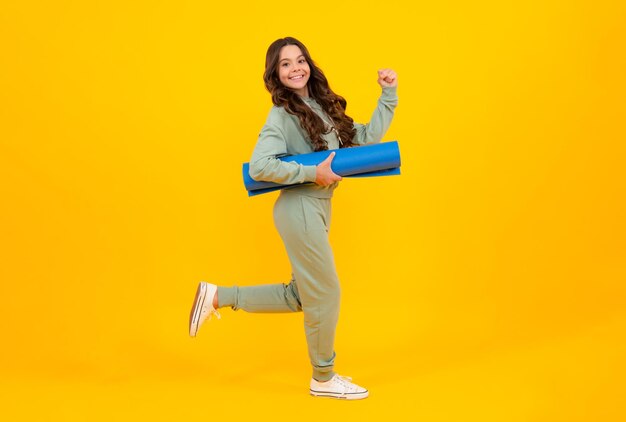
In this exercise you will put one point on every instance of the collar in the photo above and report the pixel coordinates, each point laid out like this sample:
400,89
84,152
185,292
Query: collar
308,100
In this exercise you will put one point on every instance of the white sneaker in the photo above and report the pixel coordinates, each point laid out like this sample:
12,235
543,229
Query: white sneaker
338,387
202,308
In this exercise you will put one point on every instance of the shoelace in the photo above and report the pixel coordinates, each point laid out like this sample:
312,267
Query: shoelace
346,383
211,312
214,311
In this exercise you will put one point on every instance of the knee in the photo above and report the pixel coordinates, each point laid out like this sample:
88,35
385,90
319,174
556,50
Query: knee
332,295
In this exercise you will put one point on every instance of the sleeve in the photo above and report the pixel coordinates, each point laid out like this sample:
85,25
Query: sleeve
265,166
373,132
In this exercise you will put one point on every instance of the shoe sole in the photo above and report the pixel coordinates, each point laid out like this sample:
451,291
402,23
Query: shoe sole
198,302
348,396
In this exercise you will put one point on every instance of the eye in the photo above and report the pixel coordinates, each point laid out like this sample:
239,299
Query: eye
285,64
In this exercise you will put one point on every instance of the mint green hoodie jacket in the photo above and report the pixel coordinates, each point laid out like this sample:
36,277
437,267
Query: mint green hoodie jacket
282,135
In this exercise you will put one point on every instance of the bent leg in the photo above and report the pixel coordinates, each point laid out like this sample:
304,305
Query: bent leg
266,298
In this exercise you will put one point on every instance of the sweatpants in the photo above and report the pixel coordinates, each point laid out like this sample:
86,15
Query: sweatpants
303,223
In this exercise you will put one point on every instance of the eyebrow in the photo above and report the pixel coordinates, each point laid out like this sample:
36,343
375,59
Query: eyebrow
301,55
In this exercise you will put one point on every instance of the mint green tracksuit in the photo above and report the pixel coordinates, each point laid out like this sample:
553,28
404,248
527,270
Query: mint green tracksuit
302,216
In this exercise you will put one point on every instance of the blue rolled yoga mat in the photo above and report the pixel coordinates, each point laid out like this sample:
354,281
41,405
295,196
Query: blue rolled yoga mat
381,159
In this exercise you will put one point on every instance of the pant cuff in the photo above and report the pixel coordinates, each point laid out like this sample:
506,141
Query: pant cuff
324,376
227,296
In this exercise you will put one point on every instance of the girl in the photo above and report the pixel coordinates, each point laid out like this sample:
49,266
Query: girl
307,116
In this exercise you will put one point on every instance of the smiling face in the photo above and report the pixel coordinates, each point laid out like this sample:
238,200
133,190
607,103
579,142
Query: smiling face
293,69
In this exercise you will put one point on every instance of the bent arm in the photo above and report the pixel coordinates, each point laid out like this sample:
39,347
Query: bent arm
264,166
373,132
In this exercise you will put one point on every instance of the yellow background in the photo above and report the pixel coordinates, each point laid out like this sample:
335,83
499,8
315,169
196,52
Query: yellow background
487,283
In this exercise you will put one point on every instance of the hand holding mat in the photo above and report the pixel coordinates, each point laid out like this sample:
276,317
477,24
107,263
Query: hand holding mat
381,159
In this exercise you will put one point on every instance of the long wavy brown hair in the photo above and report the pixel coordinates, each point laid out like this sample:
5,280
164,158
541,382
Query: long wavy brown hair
334,105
